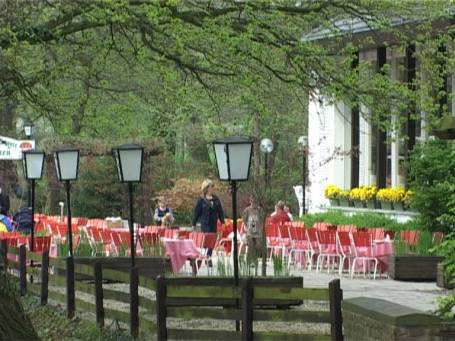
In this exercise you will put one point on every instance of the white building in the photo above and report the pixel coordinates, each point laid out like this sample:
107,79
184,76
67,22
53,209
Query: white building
346,150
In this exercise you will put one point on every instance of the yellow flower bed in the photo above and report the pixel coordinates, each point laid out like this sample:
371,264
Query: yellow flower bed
344,194
391,194
332,192
363,193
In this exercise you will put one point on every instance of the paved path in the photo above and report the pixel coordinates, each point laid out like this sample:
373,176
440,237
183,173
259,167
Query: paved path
418,295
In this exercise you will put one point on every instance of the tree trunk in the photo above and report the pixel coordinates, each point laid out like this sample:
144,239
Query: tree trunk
54,186
14,323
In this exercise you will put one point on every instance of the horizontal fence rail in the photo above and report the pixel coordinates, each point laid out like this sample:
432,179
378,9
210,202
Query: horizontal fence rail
168,290
86,288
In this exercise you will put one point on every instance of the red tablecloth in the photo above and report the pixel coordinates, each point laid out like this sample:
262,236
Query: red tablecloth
179,250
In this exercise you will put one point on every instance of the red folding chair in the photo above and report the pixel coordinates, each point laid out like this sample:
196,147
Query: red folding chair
327,250
313,243
345,249
206,241
362,243
299,246
41,244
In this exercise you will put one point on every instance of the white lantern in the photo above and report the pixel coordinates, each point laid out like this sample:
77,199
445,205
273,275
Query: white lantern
266,146
28,129
67,164
33,162
129,159
303,142
233,158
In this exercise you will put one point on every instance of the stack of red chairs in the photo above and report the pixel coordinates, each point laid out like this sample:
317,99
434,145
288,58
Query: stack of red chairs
41,244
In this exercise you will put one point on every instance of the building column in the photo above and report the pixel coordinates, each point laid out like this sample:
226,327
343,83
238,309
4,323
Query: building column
381,159
395,144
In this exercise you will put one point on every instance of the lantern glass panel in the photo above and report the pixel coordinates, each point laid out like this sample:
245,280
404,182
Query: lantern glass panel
33,165
131,163
221,160
239,160
67,163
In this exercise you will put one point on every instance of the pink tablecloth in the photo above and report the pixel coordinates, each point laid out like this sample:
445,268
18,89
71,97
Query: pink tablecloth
179,250
382,250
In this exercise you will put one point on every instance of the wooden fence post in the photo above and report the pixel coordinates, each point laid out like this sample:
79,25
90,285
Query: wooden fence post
70,294
23,270
247,309
4,254
98,274
44,277
161,308
336,323
134,302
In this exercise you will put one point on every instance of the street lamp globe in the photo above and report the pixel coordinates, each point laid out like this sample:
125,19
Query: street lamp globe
303,142
266,146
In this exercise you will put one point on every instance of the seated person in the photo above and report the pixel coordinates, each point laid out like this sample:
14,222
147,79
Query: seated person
163,213
287,209
279,216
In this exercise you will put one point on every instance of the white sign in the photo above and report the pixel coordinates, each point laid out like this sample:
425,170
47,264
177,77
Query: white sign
11,149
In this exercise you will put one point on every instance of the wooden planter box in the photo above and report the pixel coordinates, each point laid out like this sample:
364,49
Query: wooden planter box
442,281
414,268
149,267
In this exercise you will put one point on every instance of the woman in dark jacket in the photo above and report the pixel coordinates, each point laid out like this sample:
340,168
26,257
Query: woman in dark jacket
208,210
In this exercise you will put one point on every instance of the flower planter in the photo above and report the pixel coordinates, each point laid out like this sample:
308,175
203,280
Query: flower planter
372,204
344,202
442,280
359,204
398,206
414,268
386,205
334,202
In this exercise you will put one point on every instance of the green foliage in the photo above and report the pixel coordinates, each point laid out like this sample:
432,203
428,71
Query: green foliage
400,247
51,324
98,192
447,250
279,266
446,307
424,244
432,175
363,220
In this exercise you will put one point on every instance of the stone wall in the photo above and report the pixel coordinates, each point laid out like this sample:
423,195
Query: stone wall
370,319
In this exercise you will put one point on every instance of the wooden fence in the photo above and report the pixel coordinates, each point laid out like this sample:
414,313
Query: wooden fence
184,298
175,298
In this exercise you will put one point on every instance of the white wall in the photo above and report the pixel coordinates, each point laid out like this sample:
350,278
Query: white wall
329,142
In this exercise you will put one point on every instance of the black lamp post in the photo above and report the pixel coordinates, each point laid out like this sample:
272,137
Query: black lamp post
33,162
28,132
233,158
129,159
266,147
67,166
303,145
